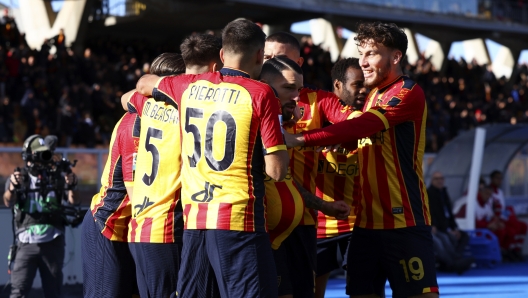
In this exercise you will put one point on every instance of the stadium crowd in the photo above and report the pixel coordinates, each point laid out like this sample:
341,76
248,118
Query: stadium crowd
75,95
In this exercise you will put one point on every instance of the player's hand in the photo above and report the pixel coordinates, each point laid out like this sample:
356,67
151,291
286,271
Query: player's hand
296,116
339,209
332,148
293,140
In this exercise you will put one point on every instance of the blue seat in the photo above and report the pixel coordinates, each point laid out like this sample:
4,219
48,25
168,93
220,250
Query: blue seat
484,248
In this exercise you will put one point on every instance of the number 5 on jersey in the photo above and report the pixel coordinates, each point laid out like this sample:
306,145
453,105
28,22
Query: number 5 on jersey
157,134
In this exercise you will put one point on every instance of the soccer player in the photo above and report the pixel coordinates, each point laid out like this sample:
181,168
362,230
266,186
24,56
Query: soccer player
338,177
318,108
108,266
284,204
392,233
157,225
231,131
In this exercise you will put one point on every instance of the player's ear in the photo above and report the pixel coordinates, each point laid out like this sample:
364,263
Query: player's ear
397,57
337,85
260,57
213,66
300,61
222,55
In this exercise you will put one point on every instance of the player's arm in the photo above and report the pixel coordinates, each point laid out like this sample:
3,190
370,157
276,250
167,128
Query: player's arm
377,119
276,156
146,84
126,98
337,209
277,164
331,108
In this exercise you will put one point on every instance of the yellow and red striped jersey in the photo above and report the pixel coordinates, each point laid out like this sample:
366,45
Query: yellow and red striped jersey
111,206
157,216
229,123
391,134
284,207
337,180
317,108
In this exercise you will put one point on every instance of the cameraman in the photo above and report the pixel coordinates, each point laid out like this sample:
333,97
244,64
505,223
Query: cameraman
37,193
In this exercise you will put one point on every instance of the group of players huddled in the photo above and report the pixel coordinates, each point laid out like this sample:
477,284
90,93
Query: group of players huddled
230,178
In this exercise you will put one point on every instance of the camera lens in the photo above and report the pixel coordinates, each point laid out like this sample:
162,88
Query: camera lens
45,156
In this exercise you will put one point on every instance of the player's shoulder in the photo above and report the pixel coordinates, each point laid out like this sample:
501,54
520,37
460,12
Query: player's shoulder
254,87
406,87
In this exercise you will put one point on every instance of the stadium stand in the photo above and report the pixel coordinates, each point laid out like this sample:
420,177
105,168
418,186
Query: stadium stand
42,90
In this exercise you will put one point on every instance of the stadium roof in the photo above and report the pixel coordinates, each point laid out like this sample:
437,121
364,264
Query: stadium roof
159,19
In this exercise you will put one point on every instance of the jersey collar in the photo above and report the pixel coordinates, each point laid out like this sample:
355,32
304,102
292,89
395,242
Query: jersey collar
226,71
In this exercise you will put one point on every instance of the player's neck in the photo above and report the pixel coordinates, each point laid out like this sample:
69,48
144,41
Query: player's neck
197,69
393,76
239,65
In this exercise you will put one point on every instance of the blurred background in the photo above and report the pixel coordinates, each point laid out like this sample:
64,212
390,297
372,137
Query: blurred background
65,64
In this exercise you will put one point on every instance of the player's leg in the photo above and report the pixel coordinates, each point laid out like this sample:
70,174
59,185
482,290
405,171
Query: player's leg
242,262
108,267
408,258
283,274
326,263
198,279
157,266
302,258
24,269
365,274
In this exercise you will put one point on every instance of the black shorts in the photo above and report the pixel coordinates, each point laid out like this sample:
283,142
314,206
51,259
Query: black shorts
327,250
223,263
108,267
157,266
403,256
295,260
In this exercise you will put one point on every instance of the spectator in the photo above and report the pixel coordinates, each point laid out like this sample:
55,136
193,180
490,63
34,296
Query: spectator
449,241
511,238
466,96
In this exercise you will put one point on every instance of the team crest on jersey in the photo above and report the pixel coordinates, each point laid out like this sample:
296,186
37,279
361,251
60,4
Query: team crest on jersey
302,111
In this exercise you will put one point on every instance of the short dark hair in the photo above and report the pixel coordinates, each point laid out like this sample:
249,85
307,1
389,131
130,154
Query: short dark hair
200,49
285,38
341,67
495,173
388,35
274,66
242,36
168,64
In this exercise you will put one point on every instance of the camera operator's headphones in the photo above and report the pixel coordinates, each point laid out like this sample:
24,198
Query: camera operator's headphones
28,155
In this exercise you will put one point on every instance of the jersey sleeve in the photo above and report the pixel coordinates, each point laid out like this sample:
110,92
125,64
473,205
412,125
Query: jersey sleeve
169,89
135,103
127,148
331,108
407,107
346,131
269,111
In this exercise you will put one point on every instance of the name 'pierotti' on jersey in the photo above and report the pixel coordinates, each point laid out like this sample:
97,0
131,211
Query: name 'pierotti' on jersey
390,159
228,123
111,206
337,180
157,216
284,207
317,108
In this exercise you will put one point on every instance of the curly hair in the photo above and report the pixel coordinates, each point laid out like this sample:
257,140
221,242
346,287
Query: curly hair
388,35
341,67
